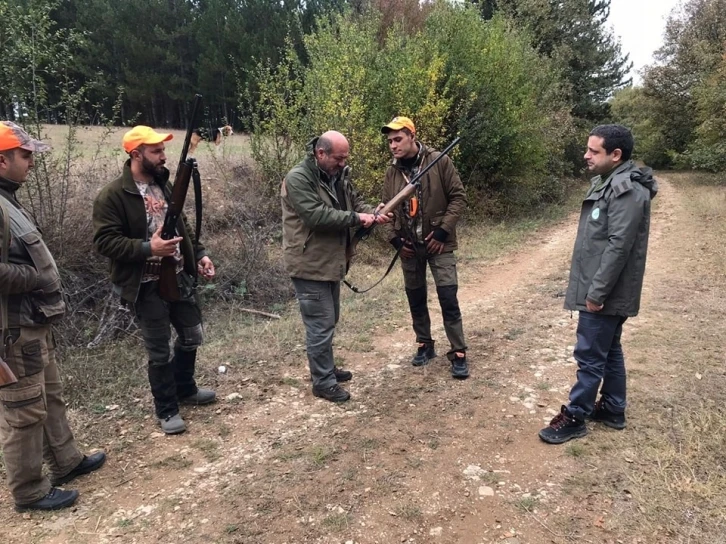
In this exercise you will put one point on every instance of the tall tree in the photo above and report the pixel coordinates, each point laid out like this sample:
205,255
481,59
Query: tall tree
575,35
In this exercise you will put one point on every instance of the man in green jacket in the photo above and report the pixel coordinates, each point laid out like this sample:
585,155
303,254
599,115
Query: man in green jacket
424,229
319,209
128,215
606,279
33,422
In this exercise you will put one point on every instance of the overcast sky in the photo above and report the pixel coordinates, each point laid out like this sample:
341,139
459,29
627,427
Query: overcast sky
640,24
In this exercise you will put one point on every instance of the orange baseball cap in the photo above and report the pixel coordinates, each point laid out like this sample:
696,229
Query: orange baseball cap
14,137
143,135
397,124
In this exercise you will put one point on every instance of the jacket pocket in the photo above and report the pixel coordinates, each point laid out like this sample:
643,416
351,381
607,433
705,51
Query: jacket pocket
23,406
28,353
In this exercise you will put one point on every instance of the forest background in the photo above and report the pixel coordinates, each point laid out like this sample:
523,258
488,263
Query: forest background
521,81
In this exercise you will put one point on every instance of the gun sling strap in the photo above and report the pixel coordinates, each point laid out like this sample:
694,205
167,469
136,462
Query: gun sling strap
197,180
388,270
5,248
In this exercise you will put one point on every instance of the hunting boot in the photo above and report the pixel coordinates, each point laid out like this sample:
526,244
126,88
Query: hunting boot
563,427
184,362
424,354
54,500
87,465
334,393
606,417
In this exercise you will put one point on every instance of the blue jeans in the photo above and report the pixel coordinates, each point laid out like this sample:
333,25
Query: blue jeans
320,309
599,357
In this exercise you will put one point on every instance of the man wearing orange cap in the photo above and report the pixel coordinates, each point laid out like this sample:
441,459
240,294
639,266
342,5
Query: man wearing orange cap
128,215
33,423
425,231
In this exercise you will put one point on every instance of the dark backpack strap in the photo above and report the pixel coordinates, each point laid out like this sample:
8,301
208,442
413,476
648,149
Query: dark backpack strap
5,248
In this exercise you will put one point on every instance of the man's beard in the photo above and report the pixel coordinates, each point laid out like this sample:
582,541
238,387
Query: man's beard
149,167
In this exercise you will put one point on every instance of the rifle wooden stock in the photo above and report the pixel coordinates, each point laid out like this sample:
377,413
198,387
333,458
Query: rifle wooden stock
363,232
6,375
168,283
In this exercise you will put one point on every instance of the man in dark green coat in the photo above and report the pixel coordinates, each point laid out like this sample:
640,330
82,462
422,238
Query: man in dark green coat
319,209
606,279
128,215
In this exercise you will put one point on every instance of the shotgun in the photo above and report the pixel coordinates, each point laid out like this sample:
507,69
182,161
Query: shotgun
168,283
362,233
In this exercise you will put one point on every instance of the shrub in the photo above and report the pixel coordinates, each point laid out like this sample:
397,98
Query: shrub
459,75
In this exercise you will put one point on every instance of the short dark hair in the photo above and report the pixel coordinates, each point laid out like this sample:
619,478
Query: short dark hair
615,137
9,153
325,145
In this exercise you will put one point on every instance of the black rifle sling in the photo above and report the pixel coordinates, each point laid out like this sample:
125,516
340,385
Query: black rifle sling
197,180
388,270
4,298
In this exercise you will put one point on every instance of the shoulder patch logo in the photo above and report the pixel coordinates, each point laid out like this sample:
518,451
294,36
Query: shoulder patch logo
595,213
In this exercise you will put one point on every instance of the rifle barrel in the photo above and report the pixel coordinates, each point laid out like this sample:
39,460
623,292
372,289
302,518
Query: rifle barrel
190,127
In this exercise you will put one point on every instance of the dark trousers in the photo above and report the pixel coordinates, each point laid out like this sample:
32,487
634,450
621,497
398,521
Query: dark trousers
171,377
320,309
599,357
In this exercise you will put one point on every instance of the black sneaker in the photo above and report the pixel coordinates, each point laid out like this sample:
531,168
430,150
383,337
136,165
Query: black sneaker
54,500
333,393
88,464
424,354
606,417
459,367
342,375
562,428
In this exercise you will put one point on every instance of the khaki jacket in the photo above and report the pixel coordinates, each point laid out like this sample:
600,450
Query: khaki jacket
30,279
442,200
316,224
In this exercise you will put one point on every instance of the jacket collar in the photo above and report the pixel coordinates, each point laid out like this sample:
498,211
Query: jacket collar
422,151
9,186
601,181
127,179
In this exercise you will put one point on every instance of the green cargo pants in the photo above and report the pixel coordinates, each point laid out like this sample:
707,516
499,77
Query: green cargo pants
443,269
33,423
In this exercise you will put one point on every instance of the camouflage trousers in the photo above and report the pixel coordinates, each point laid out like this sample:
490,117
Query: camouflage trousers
33,422
443,269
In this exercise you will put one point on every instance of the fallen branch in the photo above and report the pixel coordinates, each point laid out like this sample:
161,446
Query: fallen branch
258,312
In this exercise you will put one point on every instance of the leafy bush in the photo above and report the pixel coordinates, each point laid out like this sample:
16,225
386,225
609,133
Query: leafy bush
459,75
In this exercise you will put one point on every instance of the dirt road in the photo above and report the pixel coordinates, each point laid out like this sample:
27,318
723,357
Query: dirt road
415,456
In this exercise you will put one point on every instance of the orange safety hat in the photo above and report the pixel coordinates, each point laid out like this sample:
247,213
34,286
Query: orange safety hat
143,135
397,124
14,137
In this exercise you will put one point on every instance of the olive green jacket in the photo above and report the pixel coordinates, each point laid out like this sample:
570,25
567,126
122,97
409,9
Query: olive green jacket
316,224
121,233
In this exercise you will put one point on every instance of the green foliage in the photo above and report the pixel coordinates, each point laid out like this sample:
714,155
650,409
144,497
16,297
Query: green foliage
276,120
576,35
508,107
457,75
708,150
680,108
634,109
